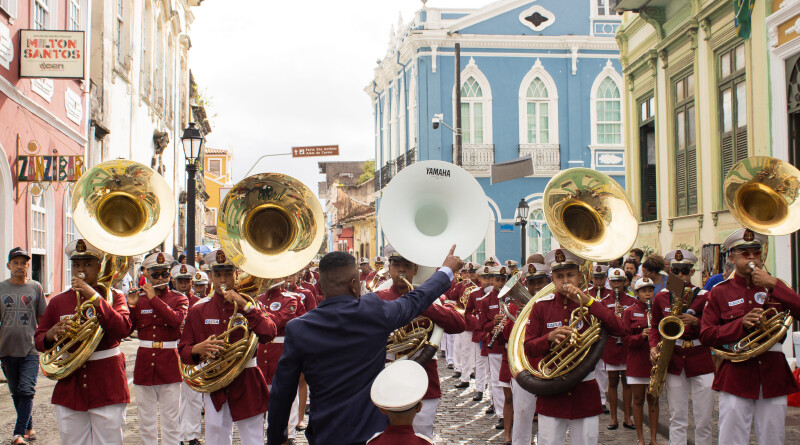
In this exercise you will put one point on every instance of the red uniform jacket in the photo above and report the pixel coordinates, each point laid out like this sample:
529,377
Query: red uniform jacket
275,302
505,371
615,354
159,319
306,297
362,276
549,313
454,293
311,288
472,314
728,302
247,395
635,320
99,382
593,290
399,435
695,360
489,307
448,319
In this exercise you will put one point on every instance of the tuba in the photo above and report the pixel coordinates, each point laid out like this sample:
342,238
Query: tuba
123,208
590,215
270,226
425,207
763,194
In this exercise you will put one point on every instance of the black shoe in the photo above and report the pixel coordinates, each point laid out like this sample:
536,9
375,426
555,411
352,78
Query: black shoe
605,410
457,375
478,396
300,427
629,426
193,442
490,409
291,442
500,425
308,409
450,366
463,385
472,376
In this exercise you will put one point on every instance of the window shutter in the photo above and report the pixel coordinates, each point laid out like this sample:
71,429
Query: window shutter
741,143
10,6
728,155
680,181
691,176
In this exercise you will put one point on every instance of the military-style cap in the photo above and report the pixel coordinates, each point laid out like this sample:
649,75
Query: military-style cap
378,259
182,271
472,266
615,274
485,271
600,269
82,249
498,270
534,270
680,257
393,254
511,264
158,260
364,260
744,238
643,282
218,260
400,386
490,261
561,258
200,278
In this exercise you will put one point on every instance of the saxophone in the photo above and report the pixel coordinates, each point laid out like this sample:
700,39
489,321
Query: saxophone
617,310
670,328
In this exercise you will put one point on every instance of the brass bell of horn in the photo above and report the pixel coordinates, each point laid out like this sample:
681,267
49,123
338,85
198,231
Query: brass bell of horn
270,225
123,207
762,194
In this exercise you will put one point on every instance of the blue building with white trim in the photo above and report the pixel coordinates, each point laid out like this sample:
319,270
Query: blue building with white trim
537,77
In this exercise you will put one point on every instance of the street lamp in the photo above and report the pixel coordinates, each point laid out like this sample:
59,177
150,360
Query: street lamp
192,140
522,221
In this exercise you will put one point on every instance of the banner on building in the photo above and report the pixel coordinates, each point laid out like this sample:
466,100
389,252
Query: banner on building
321,150
34,167
51,54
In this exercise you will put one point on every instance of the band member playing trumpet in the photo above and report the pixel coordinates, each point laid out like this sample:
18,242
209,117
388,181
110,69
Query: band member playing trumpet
472,316
157,314
244,400
615,353
490,319
90,402
464,357
579,408
199,287
637,322
402,271
754,389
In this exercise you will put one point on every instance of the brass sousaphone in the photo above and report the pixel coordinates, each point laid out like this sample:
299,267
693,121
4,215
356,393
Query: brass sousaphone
763,194
123,208
270,225
428,207
590,215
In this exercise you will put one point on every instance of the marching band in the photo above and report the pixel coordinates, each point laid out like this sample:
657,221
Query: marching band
551,340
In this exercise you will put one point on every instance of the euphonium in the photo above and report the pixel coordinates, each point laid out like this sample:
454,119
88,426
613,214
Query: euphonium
421,334
379,275
463,299
670,328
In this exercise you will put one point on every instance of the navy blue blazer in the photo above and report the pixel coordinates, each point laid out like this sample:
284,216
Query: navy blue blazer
341,347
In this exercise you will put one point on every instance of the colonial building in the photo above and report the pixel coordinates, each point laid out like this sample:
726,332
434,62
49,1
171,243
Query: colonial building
349,207
217,176
696,102
43,134
538,78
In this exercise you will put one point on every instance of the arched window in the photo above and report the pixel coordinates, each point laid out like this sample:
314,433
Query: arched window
69,233
538,107
540,239
609,113
471,112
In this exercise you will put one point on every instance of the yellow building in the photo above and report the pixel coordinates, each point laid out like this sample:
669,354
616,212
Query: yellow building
696,102
217,167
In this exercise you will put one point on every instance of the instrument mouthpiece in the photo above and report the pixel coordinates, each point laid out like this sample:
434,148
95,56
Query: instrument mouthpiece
751,265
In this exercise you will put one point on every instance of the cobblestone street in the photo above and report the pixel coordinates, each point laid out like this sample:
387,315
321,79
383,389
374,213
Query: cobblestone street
459,420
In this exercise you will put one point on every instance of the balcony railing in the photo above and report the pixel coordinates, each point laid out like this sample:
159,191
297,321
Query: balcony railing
386,174
399,163
546,157
411,156
476,158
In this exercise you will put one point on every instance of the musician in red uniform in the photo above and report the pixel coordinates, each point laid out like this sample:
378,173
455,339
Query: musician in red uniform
364,269
490,318
472,317
599,290
244,400
462,343
691,367
578,408
192,401
397,391
637,323
90,403
615,354
445,316
370,281
752,390
157,313
181,275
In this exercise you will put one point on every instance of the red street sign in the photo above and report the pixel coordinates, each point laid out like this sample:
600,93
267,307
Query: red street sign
321,150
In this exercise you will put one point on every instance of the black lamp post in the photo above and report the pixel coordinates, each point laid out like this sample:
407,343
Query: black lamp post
192,140
522,221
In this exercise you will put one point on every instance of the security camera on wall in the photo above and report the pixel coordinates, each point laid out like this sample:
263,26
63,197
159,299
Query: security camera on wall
437,119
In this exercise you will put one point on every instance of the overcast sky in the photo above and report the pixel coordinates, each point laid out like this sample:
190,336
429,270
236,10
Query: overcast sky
292,73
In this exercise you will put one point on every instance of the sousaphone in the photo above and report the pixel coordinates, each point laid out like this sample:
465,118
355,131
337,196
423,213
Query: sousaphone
590,215
428,207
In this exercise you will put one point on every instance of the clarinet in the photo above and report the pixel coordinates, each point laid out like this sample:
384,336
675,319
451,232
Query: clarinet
617,311
498,330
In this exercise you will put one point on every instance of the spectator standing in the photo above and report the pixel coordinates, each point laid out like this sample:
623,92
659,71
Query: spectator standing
22,304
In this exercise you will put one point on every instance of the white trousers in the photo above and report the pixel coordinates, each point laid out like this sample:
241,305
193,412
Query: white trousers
524,408
465,355
737,414
191,413
152,401
447,346
498,396
481,369
219,426
601,375
423,422
553,431
294,416
98,426
677,388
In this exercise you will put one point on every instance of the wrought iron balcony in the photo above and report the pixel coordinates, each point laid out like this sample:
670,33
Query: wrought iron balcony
546,157
476,158
400,163
411,156
386,174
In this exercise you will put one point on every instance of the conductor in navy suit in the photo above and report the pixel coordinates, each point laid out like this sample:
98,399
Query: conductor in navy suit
341,347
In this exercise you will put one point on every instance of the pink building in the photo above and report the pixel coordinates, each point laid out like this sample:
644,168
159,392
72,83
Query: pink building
43,132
